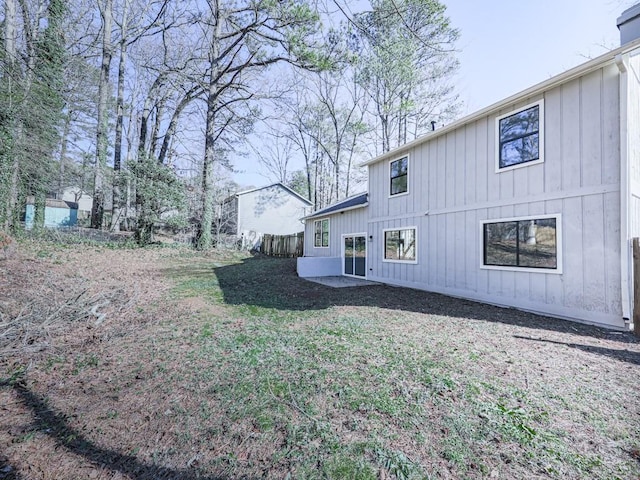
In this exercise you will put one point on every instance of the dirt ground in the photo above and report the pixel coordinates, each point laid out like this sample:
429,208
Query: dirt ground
60,309
98,359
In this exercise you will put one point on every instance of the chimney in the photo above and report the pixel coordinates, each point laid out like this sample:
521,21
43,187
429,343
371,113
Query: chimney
629,24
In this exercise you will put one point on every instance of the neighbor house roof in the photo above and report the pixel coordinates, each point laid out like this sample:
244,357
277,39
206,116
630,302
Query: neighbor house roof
351,203
598,62
52,202
279,184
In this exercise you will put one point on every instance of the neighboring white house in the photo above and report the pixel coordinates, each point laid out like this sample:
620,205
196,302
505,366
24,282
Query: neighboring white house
531,202
82,198
274,209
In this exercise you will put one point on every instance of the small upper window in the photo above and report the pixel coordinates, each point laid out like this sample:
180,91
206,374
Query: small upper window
520,137
321,237
398,169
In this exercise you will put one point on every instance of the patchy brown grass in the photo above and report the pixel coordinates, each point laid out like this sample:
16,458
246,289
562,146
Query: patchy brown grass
163,363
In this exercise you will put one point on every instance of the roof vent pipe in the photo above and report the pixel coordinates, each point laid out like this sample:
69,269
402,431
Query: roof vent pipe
433,125
629,24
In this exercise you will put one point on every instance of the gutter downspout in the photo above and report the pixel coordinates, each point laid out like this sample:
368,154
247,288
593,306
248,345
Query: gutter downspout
626,283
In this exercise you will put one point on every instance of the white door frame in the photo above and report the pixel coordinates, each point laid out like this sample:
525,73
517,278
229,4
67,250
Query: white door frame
342,252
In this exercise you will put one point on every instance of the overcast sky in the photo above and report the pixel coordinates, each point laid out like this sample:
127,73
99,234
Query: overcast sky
509,46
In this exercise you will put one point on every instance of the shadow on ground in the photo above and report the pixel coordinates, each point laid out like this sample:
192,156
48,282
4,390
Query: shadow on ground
54,424
273,283
615,353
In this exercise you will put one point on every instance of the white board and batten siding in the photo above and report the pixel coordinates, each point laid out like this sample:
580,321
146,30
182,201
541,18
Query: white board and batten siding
327,261
633,143
340,223
453,187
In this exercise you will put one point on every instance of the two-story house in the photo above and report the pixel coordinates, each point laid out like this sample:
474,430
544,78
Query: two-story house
531,202
274,209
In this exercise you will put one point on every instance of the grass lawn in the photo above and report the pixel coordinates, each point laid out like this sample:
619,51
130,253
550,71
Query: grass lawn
225,366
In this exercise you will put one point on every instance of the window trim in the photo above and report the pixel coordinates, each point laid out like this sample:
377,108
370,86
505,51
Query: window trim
394,195
328,219
384,244
559,244
540,104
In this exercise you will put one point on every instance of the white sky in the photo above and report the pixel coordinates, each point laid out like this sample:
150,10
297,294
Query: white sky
508,46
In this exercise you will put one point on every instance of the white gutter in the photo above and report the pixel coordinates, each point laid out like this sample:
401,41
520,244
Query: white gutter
626,284
596,63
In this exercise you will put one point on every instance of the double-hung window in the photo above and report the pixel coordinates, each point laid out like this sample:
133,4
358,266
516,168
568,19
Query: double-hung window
321,236
398,170
400,245
523,243
520,137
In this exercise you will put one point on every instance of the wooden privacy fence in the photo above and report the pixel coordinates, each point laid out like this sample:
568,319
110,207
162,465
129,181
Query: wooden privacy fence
283,245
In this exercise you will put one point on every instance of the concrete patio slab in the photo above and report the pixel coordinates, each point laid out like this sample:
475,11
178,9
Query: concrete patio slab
341,282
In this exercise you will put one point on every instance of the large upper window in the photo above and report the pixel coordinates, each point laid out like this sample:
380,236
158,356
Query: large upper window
520,137
522,243
400,245
321,236
398,170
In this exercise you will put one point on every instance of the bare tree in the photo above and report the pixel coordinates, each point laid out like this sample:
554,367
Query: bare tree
243,38
146,21
106,15
10,131
406,53
275,153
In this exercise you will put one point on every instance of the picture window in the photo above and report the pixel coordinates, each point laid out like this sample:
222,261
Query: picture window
530,243
400,245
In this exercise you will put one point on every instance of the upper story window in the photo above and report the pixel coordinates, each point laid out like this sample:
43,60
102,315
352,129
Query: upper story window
321,233
398,173
530,243
400,245
520,137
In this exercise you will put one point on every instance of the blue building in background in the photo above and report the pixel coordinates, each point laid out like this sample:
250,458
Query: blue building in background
57,213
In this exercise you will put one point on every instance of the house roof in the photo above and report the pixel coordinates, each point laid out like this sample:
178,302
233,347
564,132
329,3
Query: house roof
351,203
280,184
598,62
52,202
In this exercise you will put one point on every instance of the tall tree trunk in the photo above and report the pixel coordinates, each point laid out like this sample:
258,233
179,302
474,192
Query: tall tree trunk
338,154
203,240
384,119
173,124
155,132
11,192
132,133
16,126
39,206
146,112
143,230
117,152
97,211
64,141
12,197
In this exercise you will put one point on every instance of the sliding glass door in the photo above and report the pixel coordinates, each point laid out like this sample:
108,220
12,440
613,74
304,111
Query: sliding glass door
355,255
